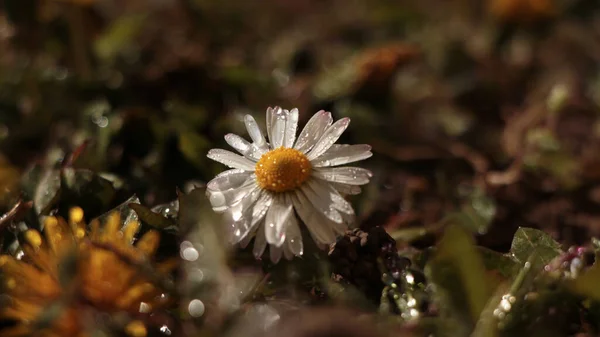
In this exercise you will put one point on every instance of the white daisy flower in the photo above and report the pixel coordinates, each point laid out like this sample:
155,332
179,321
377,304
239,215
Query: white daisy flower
274,184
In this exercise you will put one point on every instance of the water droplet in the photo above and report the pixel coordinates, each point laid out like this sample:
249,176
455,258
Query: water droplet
296,246
196,275
505,305
165,330
217,199
196,308
190,254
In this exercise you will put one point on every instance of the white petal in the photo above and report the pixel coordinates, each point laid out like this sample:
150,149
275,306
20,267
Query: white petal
345,175
251,212
313,130
244,147
260,243
228,179
276,128
238,231
276,221
261,207
325,189
294,237
246,240
221,200
231,159
346,189
318,226
238,143
328,138
255,133
287,253
275,253
290,128
343,154
270,121
320,201
242,216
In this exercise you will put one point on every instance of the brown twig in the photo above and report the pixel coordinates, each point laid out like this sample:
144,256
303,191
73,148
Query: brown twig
16,211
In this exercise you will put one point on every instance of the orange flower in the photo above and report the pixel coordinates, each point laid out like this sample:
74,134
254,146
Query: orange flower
79,274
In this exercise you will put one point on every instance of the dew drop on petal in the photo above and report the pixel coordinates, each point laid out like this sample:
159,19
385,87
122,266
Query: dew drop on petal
217,199
296,246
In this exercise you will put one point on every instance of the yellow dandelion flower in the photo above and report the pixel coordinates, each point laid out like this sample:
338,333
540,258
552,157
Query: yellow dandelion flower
106,277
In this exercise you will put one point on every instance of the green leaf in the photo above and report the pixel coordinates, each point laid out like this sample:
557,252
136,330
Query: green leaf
208,274
458,272
118,36
495,261
169,210
410,234
482,209
194,147
30,180
476,214
85,189
587,284
151,218
125,211
46,192
528,241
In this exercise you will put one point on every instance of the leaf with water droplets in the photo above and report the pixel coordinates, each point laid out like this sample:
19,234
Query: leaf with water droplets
528,241
169,210
151,218
46,194
126,213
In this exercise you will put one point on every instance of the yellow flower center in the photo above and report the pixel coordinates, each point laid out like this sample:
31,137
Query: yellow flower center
282,169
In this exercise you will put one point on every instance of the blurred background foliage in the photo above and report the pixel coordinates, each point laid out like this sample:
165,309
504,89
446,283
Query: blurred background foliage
483,117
